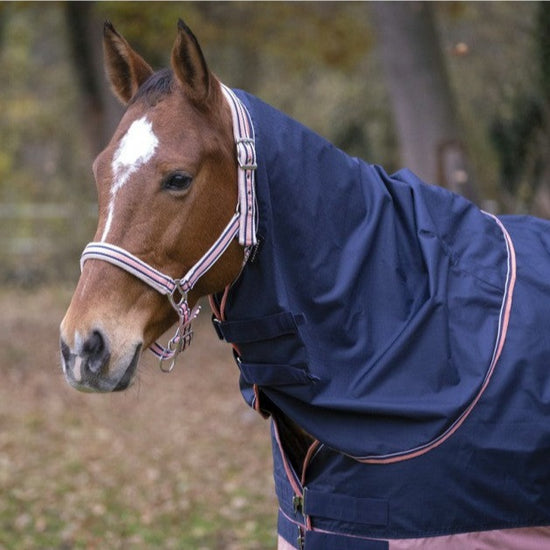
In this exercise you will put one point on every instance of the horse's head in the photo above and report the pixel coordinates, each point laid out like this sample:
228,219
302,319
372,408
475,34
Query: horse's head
166,187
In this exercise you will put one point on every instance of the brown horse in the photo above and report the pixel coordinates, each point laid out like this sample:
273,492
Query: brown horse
182,168
385,317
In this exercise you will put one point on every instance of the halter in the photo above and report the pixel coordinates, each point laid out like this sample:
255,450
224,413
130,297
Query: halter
243,225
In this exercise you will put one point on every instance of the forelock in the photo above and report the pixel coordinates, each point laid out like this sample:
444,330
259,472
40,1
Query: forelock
155,88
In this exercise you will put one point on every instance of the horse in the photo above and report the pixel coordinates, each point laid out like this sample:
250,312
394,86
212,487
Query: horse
396,335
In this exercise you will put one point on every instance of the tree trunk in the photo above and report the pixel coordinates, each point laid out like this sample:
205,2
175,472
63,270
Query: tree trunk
101,112
542,200
420,94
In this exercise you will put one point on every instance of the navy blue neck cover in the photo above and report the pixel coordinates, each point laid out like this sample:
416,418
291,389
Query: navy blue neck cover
373,309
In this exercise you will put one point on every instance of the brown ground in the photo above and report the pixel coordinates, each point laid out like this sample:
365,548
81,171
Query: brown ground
177,461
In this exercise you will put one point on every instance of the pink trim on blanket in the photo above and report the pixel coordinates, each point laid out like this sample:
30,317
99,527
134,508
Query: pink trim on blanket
298,491
501,338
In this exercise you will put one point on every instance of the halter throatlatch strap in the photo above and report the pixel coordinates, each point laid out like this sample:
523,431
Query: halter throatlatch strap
243,225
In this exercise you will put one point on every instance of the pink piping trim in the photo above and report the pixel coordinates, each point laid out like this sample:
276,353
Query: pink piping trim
288,470
292,520
309,457
501,338
348,535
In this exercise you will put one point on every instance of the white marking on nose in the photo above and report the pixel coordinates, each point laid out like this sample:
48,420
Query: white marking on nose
77,368
78,343
136,147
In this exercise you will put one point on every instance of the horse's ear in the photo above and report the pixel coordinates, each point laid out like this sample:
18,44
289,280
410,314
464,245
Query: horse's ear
189,66
126,69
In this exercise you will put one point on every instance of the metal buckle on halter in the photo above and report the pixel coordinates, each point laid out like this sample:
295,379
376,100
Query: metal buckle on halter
182,338
176,302
241,142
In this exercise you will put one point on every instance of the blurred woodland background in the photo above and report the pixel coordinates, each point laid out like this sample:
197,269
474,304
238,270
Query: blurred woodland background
457,91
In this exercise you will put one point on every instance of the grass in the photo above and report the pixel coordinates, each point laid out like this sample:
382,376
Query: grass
178,461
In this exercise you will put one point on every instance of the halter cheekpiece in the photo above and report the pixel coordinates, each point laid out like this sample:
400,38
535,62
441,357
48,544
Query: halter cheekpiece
243,225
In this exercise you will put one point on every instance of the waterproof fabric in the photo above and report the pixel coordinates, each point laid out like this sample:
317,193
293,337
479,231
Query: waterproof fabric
371,311
404,329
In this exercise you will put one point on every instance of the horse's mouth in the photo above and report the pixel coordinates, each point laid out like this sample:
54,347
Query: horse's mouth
128,376
83,378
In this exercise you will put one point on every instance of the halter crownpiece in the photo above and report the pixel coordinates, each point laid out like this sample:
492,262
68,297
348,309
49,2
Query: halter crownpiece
243,225
243,133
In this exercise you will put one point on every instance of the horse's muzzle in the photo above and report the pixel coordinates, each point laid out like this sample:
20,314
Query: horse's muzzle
89,368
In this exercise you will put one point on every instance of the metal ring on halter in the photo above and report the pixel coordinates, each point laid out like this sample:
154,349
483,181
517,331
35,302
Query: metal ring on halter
174,349
177,344
169,369
183,336
176,304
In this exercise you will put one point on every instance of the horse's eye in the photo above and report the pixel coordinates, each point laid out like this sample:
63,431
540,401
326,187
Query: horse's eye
177,181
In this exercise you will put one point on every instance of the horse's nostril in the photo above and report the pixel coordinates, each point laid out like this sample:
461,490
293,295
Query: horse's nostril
97,352
65,351
94,345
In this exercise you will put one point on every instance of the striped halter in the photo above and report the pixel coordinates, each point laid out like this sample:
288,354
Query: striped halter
242,225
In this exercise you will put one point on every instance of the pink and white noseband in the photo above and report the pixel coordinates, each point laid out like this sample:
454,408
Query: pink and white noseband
242,225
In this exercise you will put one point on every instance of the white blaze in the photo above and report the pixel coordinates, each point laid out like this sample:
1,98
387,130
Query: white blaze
136,147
